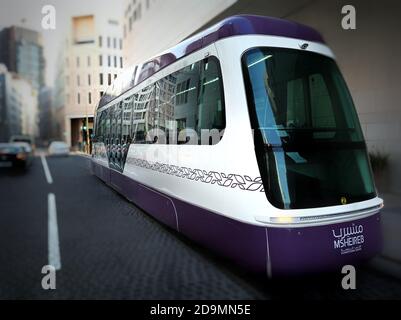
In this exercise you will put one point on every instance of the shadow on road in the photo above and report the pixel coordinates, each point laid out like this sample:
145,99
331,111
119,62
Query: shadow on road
13,172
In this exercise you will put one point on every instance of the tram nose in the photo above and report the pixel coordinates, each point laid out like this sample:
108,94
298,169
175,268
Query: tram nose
324,248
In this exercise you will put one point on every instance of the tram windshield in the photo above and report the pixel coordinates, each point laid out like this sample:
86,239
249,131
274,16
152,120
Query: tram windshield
309,143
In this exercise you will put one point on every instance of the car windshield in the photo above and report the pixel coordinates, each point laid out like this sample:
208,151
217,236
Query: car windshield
310,147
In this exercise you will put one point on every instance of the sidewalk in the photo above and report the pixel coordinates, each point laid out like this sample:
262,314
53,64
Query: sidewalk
390,259
80,153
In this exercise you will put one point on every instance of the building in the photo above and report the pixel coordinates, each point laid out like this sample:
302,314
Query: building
21,50
151,26
368,56
10,106
18,106
58,131
92,58
28,100
45,113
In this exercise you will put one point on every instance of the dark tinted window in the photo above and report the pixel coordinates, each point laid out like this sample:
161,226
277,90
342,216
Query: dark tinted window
311,148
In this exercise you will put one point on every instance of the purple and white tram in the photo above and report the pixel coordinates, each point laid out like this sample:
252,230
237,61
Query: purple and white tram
245,138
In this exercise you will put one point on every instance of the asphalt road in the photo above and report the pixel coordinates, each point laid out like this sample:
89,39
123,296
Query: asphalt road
110,249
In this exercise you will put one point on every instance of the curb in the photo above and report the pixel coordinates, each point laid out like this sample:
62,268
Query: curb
82,154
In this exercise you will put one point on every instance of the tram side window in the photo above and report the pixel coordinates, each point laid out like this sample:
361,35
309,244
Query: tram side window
164,104
127,115
184,100
108,125
210,103
143,114
103,124
191,98
118,118
99,127
113,116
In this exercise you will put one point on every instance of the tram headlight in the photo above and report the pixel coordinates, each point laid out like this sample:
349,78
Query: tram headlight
283,220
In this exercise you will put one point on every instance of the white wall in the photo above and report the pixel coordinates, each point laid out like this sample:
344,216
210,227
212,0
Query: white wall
164,24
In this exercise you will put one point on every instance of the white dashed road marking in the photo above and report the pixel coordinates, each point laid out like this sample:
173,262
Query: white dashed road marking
46,169
53,240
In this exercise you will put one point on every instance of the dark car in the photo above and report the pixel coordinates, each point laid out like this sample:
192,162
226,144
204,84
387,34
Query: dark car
17,155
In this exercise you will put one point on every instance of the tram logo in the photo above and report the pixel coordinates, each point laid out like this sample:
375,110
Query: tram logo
304,46
348,239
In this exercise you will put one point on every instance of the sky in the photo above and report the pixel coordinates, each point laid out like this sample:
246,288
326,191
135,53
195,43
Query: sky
27,13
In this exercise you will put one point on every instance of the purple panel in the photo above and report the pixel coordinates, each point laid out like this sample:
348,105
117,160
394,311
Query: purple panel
153,202
312,249
242,243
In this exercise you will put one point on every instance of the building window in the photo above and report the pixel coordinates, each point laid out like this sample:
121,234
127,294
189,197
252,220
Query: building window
108,42
182,92
89,61
78,98
101,94
115,61
78,81
109,79
114,43
90,98
89,79
109,61
121,44
101,78
100,60
77,62
130,24
121,62
115,75
100,41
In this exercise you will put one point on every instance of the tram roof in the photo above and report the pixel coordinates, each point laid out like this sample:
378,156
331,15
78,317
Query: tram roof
229,27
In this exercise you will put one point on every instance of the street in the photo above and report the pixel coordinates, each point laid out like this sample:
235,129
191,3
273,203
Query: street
110,249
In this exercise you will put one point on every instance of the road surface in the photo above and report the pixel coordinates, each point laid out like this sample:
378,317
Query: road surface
106,248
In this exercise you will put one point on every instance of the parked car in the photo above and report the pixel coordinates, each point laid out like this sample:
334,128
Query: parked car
58,148
17,155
